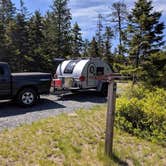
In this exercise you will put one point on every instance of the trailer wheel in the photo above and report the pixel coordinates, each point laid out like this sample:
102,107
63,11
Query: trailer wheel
27,97
104,90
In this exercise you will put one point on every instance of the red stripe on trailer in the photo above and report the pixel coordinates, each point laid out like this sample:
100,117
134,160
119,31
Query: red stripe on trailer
107,77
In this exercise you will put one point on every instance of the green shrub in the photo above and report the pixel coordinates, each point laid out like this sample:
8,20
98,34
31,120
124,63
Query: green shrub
142,112
135,91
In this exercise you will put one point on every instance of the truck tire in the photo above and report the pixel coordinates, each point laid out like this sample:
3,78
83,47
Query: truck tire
27,97
104,90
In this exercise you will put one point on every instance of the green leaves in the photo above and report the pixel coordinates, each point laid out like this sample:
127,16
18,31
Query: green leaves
142,112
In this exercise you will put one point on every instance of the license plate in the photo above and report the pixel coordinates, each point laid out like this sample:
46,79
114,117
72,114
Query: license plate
68,82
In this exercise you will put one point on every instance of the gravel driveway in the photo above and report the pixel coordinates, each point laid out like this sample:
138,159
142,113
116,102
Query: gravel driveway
12,116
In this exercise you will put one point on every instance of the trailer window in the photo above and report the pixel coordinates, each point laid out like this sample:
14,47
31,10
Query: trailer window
70,67
100,71
1,71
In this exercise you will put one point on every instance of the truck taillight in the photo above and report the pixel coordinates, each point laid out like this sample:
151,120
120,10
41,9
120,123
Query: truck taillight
56,83
82,78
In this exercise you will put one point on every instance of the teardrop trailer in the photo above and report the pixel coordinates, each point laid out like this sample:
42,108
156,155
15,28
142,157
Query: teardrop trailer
80,74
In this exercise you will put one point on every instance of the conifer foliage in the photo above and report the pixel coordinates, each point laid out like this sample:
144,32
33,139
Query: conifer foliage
77,41
145,33
130,40
61,27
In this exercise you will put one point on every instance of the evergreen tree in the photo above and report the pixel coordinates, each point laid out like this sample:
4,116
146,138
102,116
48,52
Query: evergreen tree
36,27
119,17
7,11
155,70
145,30
12,50
20,38
2,42
36,41
49,33
61,28
145,33
86,46
93,49
77,41
99,36
108,35
7,14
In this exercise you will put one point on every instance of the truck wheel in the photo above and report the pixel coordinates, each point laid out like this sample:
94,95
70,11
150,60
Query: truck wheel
104,90
27,97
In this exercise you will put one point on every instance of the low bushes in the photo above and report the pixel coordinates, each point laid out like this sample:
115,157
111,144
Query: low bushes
142,112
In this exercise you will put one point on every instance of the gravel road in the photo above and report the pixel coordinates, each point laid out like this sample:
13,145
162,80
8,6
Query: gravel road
12,115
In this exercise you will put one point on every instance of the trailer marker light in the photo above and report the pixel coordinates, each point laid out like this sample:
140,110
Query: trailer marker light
82,78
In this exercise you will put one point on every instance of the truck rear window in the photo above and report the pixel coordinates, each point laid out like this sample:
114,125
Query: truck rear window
70,67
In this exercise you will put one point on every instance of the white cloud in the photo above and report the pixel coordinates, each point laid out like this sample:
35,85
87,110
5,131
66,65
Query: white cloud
90,11
160,6
85,12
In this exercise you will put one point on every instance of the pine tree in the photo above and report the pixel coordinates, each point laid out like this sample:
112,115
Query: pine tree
20,38
99,36
77,41
2,43
36,41
93,49
49,35
36,27
61,28
145,33
86,46
155,70
108,35
145,30
119,17
7,11
7,14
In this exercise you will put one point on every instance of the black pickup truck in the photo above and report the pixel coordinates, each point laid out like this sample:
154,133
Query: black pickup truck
25,88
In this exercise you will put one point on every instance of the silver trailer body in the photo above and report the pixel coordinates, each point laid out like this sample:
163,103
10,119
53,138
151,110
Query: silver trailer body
82,73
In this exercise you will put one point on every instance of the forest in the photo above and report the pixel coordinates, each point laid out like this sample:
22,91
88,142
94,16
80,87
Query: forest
31,41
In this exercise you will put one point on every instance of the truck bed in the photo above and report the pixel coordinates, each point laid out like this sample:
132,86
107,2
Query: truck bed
41,81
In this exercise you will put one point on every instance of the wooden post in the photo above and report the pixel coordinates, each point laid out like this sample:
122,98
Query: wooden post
110,118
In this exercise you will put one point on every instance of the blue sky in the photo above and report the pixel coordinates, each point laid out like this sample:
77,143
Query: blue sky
85,12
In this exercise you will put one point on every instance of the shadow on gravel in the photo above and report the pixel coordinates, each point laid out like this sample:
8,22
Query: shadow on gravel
87,96
11,109
8,109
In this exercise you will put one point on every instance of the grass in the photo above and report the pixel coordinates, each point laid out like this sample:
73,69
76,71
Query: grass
75,139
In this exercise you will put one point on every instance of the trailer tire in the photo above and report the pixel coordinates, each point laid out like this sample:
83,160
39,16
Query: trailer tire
27,97
104,90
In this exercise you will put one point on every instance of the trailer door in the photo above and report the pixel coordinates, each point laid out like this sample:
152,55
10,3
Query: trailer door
91,81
